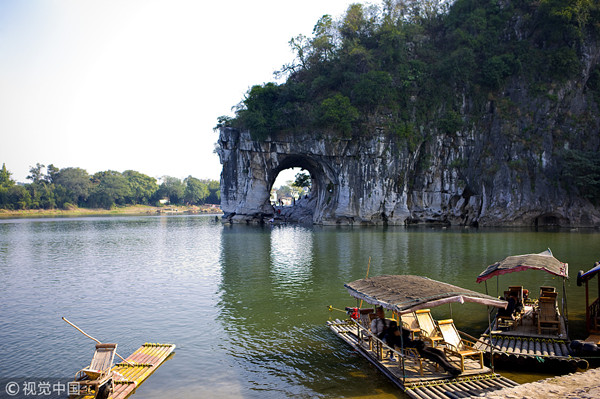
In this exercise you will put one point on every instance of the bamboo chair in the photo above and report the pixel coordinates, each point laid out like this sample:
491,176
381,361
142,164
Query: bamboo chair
410,323
366,317
544,290
455,345
428,330
547,315
98,373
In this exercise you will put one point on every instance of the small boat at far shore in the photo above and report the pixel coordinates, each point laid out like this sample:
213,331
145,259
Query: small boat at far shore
408,298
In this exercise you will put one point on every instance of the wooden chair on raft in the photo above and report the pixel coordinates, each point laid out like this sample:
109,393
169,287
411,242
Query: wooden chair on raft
547,317
410,323
545,290
97,378
428,330
366,316
455,345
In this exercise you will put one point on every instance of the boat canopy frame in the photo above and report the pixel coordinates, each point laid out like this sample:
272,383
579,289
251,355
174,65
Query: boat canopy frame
543,261
407,293
403,294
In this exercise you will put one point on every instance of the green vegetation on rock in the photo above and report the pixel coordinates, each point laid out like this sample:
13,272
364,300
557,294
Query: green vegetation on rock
410,63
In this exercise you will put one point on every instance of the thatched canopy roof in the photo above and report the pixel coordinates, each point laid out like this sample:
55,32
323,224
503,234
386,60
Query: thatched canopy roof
405,293
542,261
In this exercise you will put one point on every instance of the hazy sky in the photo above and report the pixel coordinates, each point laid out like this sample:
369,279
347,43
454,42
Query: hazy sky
131,84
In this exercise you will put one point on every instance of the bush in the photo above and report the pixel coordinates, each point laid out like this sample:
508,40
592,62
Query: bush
582,169
338,114
450,123
373,89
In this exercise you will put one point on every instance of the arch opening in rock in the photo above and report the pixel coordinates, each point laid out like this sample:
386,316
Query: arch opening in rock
290,185
300,208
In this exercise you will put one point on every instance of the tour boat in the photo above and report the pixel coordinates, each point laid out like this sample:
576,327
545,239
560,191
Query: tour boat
537,333
409,298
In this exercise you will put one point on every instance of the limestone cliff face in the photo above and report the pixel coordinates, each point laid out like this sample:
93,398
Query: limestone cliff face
502,168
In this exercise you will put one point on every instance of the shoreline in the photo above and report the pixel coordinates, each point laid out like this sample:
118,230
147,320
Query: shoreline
581,385
132,210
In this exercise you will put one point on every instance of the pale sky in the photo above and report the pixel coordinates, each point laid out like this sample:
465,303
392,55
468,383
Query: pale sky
132,84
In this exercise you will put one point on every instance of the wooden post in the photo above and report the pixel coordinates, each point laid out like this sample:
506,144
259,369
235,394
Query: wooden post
587,306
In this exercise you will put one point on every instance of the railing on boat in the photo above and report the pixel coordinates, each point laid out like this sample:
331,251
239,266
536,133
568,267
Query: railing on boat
593,315
364,333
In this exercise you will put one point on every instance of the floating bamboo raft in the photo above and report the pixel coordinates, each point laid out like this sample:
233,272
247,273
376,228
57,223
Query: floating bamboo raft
526,350
523,345
144,362
432,384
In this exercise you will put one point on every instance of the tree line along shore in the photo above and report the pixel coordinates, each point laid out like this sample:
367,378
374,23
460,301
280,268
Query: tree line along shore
51,190
131,210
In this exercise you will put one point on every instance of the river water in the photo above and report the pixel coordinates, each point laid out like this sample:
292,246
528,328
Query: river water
245,305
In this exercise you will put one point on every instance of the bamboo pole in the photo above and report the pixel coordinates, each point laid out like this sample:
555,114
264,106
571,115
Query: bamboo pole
94,339
368,267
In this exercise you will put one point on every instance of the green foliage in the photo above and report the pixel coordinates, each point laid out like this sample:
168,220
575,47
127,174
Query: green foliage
338,114
18,197
302,180
195,191
172,189
61,188
582,169
406,60
109,188
223,121
407,132
260,113
284,191
36,173
374,89
214,189
5,180
42,195
76,182
593,83
497,68
450,123
142,188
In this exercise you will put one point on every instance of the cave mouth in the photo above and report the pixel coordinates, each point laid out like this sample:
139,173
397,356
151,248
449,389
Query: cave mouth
298,205
547,220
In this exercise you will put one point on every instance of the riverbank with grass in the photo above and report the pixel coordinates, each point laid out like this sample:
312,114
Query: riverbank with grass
125,210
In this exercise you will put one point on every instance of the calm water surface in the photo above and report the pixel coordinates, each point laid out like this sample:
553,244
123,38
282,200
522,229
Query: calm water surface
245,305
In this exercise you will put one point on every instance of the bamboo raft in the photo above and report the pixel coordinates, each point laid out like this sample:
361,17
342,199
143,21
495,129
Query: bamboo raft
431,383
140,365
522,345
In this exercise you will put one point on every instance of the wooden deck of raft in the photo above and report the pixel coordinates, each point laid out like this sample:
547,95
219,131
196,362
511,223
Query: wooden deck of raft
145,361
433,384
